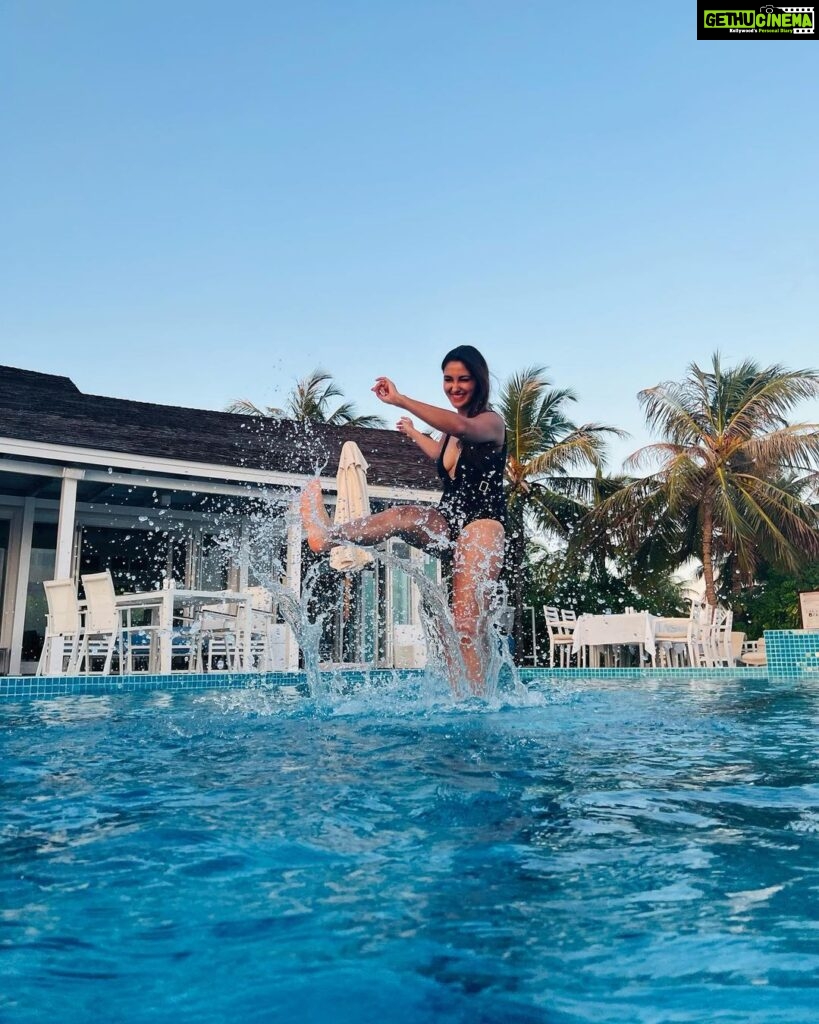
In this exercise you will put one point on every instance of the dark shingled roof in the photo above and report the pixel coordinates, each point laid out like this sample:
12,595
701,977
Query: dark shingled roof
45,408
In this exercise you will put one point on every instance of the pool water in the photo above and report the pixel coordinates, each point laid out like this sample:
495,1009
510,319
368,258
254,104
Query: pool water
595,851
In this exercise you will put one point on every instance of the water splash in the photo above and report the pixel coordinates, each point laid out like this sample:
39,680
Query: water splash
260,543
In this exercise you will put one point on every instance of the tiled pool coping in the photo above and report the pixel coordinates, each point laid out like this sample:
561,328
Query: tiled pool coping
38,687
34,687
792,654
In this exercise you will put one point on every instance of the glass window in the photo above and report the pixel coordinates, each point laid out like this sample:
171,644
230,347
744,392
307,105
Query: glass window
369,616
139,560
43,557
401,588
266,551
214,564
4,557
431,567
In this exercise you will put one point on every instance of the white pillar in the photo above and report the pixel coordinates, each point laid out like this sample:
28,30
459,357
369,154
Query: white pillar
293,570
63,563
244,555
65,524
389,613
21,590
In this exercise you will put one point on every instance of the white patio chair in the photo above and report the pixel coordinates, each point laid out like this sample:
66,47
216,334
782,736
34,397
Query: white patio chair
223,629
217,639
263,634
105,634
139,642
63,629
719,637
569,617
736,644
561,636
102,633
671,645
698,634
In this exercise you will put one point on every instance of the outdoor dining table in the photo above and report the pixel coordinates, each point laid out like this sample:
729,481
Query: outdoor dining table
163,605
640,628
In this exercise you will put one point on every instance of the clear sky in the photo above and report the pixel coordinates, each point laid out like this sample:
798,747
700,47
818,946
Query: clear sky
204,200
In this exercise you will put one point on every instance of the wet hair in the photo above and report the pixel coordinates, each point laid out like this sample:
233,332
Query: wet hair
476,364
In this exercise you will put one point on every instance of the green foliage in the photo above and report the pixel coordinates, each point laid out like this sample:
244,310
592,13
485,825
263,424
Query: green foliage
569,579
773,602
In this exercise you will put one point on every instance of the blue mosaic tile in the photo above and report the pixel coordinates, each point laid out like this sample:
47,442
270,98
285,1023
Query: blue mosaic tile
531,675
37,687
792,653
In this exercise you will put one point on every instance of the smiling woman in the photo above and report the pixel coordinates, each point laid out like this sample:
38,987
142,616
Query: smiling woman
469,523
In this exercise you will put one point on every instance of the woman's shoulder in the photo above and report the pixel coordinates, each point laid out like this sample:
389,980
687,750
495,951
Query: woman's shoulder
496,422
491,429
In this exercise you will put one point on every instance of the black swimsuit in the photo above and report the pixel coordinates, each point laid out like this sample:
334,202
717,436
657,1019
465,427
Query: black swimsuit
476,490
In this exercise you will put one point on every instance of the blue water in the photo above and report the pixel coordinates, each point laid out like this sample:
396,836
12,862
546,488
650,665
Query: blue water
602,851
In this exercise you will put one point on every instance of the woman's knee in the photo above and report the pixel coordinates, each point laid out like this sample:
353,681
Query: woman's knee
466,627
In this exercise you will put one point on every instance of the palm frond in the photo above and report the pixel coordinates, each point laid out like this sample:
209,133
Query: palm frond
244,407
533,412
669,409
346,414
792,447
771,393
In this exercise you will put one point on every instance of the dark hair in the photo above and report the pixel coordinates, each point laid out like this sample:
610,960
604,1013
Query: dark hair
476,364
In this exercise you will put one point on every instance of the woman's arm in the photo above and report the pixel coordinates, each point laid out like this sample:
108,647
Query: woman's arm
428,445
486,426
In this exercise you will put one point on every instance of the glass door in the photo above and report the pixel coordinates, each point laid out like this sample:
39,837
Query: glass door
43,558
139,560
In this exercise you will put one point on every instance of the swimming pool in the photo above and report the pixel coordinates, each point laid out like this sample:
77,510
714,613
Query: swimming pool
604,850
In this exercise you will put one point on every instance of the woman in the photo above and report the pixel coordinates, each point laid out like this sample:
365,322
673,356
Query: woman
469,521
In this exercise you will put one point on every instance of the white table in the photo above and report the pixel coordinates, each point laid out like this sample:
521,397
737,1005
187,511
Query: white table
640,628
163,604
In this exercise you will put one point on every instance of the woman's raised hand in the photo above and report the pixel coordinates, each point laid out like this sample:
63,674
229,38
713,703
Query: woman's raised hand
406,426
386,391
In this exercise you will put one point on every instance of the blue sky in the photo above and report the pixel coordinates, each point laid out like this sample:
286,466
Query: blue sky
205,200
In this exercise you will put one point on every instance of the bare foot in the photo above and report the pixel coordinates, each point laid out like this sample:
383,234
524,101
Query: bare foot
314,518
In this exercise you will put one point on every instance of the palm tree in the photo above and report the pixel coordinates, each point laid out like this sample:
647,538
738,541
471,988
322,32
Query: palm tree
726,488
310,400
545,449
599,559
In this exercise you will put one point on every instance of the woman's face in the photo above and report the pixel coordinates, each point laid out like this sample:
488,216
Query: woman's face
459,386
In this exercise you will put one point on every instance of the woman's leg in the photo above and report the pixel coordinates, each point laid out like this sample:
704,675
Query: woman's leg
477,565
416,524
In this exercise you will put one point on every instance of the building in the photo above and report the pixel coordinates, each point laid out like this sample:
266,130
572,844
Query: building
156,492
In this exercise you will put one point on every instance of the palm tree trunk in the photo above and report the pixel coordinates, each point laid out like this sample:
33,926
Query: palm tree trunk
708,550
